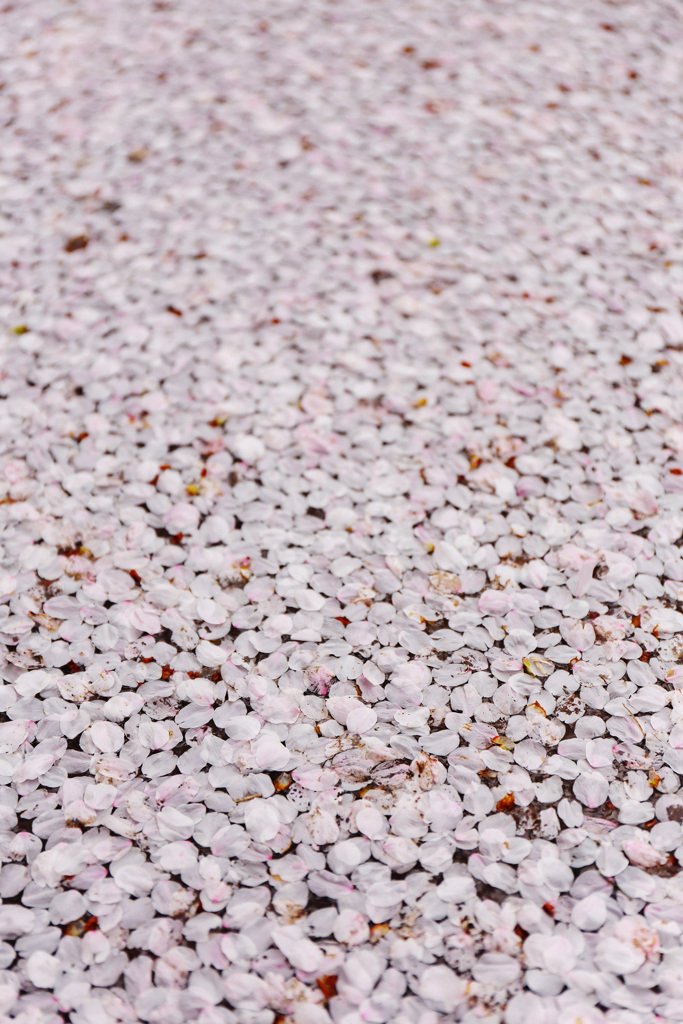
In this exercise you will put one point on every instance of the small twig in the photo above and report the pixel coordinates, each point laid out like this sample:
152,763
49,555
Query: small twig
634,719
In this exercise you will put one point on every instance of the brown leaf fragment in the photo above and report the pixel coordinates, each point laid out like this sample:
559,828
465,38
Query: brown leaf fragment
75,243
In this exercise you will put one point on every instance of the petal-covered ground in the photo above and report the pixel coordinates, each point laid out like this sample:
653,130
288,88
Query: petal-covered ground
341,512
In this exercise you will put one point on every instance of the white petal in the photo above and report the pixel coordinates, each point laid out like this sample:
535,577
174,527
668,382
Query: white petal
300,951
212,612
261,820
371,823
107,736
590,913
591,788
441,988
42,969
361,720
